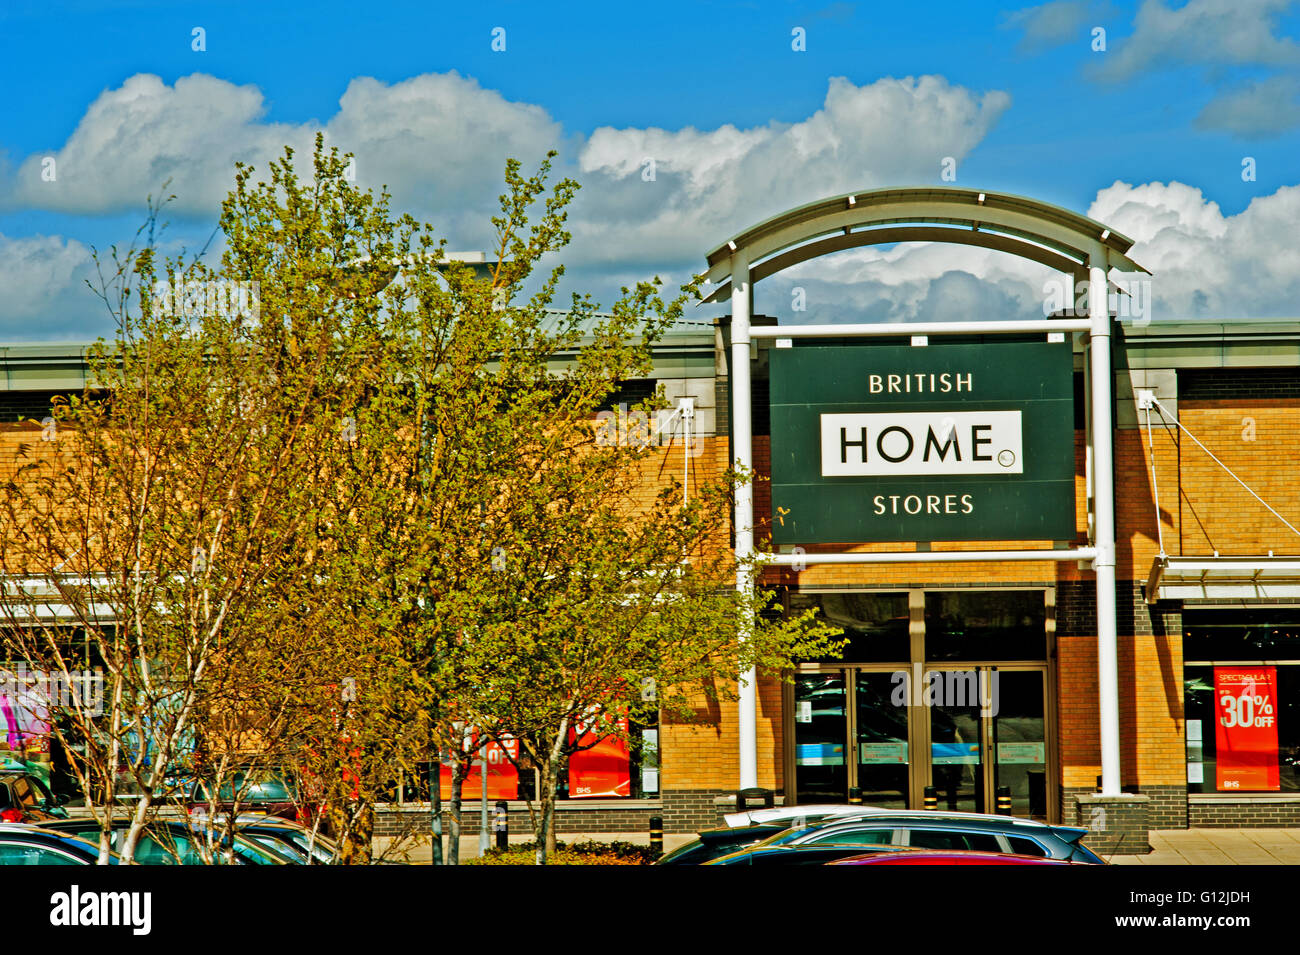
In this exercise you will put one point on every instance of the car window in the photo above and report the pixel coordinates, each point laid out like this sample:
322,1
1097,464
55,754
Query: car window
954,840
24,794
318,846
288,847
855,837
5,802
149,851
20,853
1025,847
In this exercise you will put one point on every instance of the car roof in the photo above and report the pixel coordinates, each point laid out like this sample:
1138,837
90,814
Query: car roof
50,835
945,820
842,812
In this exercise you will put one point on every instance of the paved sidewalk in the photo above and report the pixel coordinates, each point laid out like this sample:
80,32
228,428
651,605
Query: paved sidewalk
1219,847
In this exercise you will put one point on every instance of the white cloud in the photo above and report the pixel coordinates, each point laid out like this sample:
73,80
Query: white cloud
1201,32
1204,265
909,282
710,184
439,141
1266,108
45,294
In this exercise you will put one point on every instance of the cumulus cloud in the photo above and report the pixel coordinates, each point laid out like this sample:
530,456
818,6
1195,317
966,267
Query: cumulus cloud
1204,265
1202,32
654,200
440,141
707,185
908,282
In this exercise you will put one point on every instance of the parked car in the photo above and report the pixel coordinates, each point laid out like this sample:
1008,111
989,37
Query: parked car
922,857
715,843
306,847
947,832
31,845
24,798
167,842
271,792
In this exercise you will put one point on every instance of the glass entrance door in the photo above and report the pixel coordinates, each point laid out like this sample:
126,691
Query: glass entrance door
883,761
1019,734
851,733
957,739
820,733
988,730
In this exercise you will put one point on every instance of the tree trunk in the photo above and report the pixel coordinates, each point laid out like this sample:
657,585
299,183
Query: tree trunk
355,827
453,838
546,831
550,783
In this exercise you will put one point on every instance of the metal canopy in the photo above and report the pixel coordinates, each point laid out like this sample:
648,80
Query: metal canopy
1015,224
1223,578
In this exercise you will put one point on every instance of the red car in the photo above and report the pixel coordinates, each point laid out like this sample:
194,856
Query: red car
924,857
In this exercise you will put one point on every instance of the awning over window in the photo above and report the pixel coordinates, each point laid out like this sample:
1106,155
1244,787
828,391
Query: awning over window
1226,578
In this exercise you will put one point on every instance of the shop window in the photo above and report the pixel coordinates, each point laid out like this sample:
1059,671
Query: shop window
1241,635
1242,737
985,625
613,769
876,625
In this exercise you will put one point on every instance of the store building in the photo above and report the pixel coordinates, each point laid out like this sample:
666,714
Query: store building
964,677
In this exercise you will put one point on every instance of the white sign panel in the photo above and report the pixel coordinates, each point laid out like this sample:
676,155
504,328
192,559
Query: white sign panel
931,442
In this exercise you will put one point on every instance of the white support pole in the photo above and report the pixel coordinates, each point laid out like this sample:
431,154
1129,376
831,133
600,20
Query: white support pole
742,429
1103,432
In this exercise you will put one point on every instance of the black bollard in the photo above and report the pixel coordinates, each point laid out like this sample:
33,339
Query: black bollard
501,824
656,836
1004,800
931,798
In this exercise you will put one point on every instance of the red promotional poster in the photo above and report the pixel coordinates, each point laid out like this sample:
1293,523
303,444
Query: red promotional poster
502,778
603,770
1245,728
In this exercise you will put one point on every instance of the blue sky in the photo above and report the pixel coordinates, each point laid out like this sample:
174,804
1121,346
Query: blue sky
1152,131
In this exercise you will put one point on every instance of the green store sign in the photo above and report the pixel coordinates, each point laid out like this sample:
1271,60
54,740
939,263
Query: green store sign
942,442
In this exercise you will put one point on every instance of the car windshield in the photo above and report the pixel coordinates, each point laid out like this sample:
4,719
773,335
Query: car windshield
260,787
691,848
